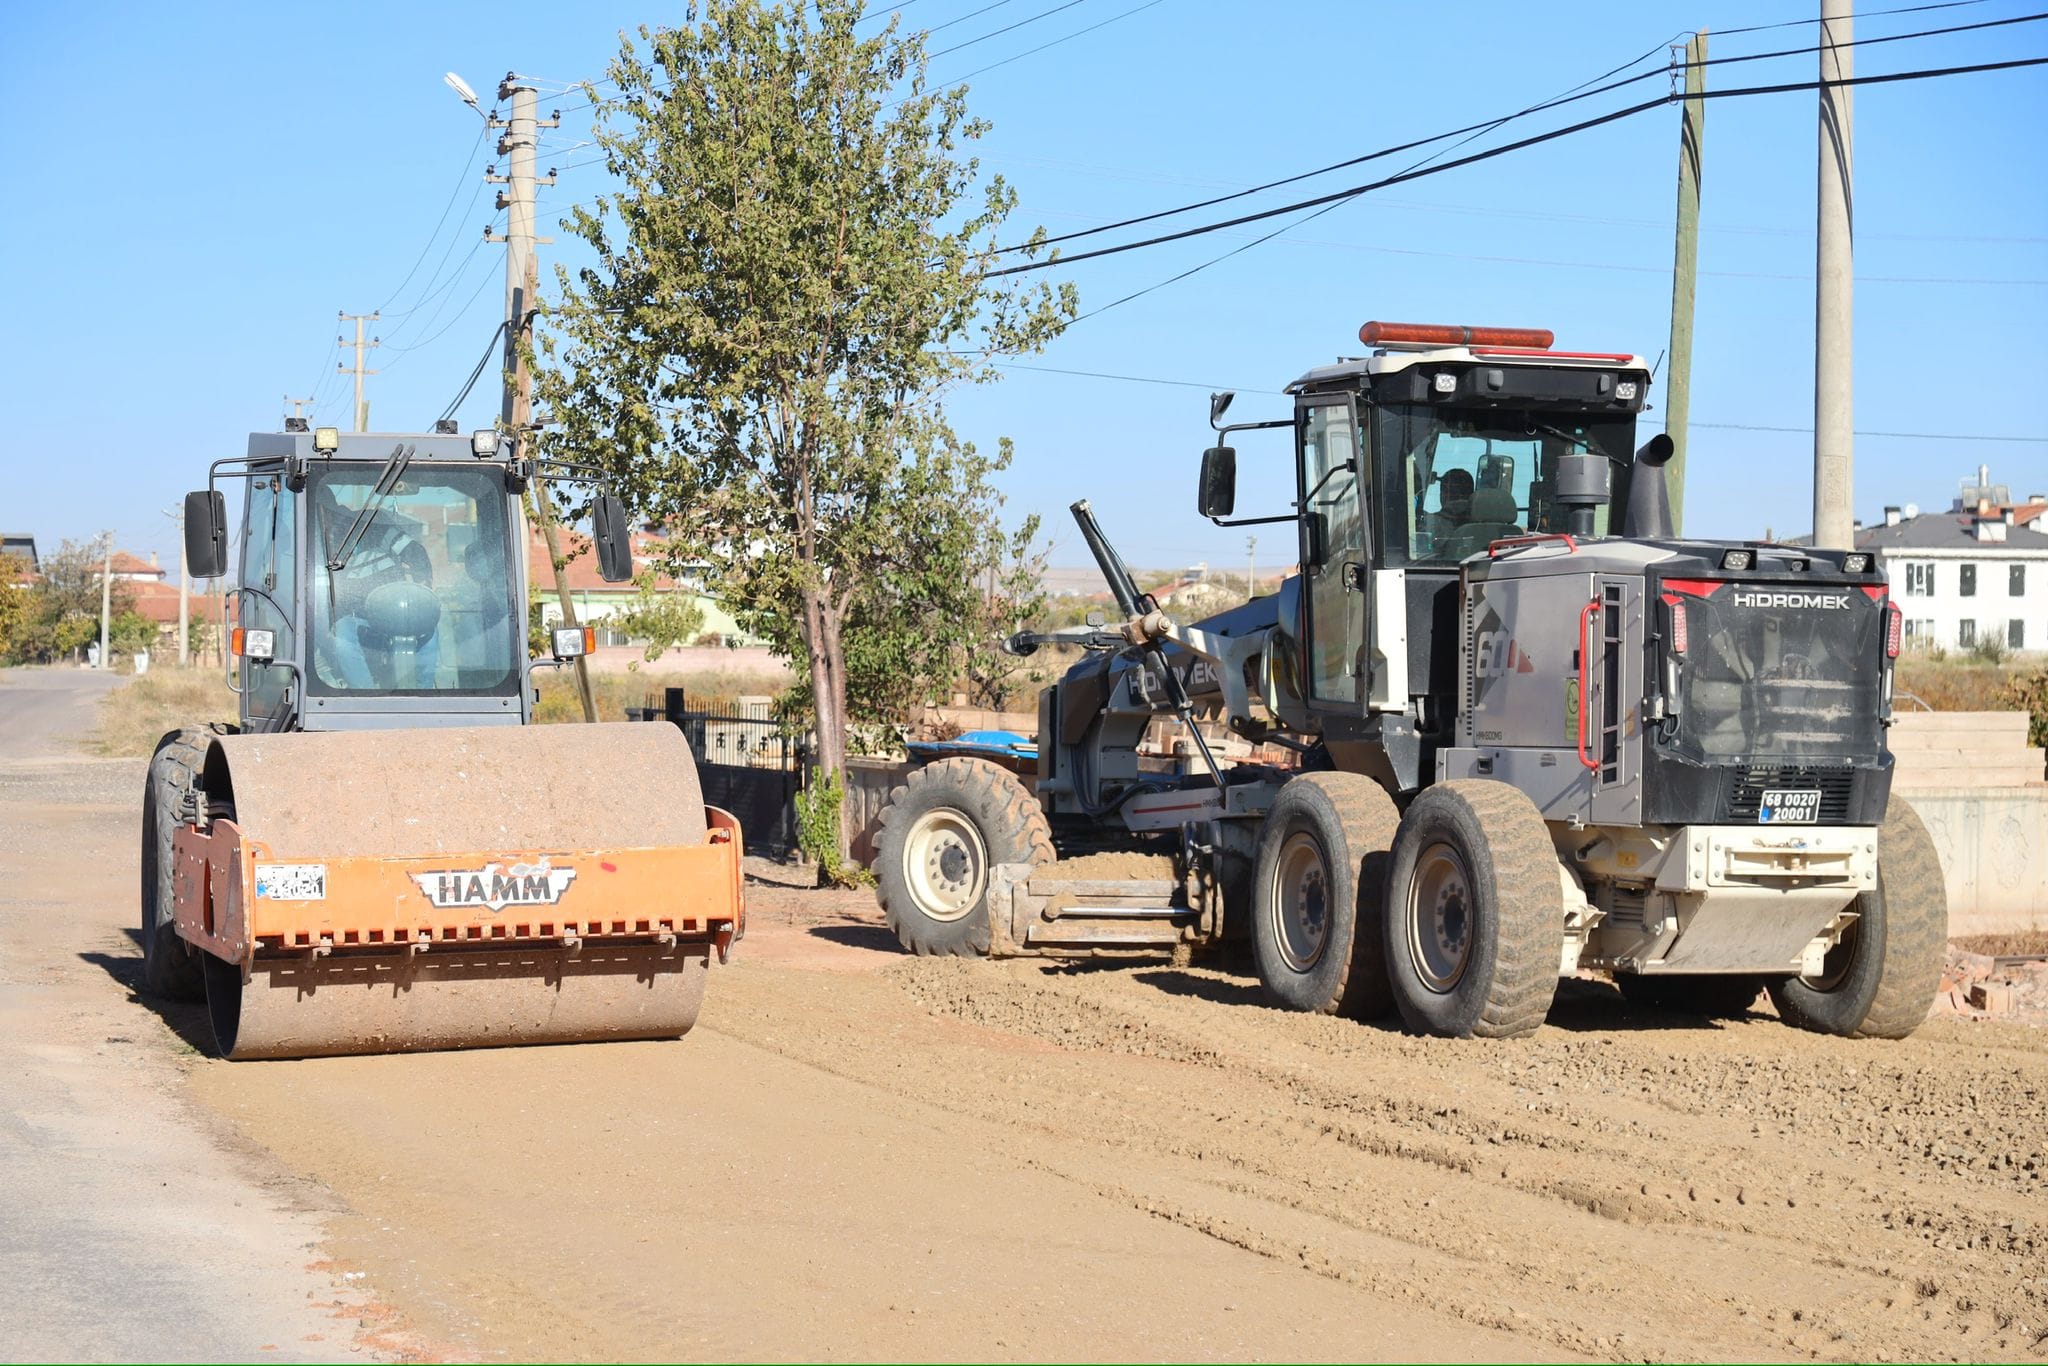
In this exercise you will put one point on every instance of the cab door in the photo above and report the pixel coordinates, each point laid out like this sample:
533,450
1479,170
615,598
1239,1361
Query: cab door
1335,550
267,598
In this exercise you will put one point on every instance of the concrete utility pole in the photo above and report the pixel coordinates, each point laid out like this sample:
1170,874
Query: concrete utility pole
1834,286
1251,566
522,288
299,405
1685,272
177,516
358,346
106,599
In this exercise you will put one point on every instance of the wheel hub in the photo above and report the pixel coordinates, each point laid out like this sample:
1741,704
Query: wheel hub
1440,918
947,864
1301,902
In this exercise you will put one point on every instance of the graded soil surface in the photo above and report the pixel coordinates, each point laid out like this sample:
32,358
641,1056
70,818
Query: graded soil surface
861,1155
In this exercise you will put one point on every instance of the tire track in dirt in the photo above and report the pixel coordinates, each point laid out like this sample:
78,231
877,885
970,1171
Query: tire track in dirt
1615,1190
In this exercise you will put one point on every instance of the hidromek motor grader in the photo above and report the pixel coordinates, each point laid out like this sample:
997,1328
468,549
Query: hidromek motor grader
1534,737
383,855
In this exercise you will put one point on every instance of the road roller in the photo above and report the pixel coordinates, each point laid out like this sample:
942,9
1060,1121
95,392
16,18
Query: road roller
383,853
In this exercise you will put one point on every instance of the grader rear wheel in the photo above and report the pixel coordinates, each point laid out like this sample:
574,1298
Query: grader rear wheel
1474,926
1879,982
1317,893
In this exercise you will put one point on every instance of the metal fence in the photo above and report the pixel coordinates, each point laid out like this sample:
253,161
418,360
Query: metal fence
750,765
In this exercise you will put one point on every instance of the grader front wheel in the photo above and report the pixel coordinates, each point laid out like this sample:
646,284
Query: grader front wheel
941,833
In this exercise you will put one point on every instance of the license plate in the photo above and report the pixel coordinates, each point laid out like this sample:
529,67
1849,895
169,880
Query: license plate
1789,806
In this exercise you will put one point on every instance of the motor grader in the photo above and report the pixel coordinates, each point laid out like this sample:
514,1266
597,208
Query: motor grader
1535,732
382,854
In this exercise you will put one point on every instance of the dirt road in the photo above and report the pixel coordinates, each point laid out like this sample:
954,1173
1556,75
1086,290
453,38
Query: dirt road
859,1155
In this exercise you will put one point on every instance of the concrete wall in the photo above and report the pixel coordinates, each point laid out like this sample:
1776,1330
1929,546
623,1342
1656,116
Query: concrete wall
1980,788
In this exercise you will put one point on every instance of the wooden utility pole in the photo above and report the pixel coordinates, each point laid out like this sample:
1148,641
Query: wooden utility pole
1685,273
522,288
359,346
1834,288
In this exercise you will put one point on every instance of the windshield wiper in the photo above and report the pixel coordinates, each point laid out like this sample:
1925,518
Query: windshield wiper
387,479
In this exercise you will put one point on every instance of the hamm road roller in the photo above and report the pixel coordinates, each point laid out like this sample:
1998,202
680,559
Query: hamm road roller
384,854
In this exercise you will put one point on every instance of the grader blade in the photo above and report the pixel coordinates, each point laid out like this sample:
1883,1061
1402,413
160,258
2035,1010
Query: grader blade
391,891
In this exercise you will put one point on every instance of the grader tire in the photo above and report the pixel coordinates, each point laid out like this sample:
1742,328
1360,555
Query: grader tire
1474,925
170,966
1317,896
941,833
1880,981
1716,997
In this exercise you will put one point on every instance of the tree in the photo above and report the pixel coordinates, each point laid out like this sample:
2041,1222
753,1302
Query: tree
64,603
1012,596
14,603
663,617
794,270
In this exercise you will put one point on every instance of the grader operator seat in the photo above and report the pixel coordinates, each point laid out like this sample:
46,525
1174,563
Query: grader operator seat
1493,518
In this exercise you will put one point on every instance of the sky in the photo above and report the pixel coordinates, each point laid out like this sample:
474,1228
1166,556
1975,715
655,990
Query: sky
194,192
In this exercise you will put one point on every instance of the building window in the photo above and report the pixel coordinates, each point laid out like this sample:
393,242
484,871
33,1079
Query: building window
1969,584
2016,581
1919,580
2016,634
1966,635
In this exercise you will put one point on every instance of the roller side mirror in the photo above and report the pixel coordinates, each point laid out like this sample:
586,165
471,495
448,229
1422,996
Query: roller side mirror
1217,496
613,532
206,534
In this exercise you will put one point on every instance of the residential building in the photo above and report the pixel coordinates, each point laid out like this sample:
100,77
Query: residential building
22,546
1974,574
596,600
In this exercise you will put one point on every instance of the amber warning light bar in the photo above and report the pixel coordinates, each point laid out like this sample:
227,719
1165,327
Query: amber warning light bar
1450,334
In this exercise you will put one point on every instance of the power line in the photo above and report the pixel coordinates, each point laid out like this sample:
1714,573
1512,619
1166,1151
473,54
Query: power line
483,362
1553,135
997,33
965,17
462,178
1034,51
1867,14
1718,426
1572,96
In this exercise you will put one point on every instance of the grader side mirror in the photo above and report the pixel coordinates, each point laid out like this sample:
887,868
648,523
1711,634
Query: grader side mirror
1217,496
206,534
613,532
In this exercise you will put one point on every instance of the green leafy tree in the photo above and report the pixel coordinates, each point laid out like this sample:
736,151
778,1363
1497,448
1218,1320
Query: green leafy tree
663,617
1013,596
794,270
14,603
63,614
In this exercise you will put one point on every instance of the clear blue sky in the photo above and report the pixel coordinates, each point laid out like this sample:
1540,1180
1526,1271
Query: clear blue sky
195,191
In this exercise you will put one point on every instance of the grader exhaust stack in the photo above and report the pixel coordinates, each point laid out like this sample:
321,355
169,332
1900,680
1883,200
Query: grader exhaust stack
381,858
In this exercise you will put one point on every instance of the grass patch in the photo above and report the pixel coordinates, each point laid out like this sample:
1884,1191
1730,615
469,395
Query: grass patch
136,715
713,690
1958,684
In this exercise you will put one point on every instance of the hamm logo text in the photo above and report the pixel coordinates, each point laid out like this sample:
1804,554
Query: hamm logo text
496,886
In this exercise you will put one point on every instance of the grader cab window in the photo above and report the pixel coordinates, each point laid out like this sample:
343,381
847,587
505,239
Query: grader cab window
1454,481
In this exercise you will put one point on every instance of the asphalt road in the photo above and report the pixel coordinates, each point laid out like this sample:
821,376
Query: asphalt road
134,1225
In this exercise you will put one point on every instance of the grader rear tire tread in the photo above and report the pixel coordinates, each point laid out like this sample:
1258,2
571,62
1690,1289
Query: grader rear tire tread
1512,864
1012,826
1911,916
1532,929
171,969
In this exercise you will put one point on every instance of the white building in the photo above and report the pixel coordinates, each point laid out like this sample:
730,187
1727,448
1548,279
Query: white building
1977,572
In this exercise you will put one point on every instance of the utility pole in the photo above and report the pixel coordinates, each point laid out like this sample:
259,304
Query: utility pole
358,346
1685,272
1251,567
522,288
1834,286
299,405
177,516
106,599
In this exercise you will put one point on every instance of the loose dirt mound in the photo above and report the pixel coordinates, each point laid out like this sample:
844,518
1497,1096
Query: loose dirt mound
1121,866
